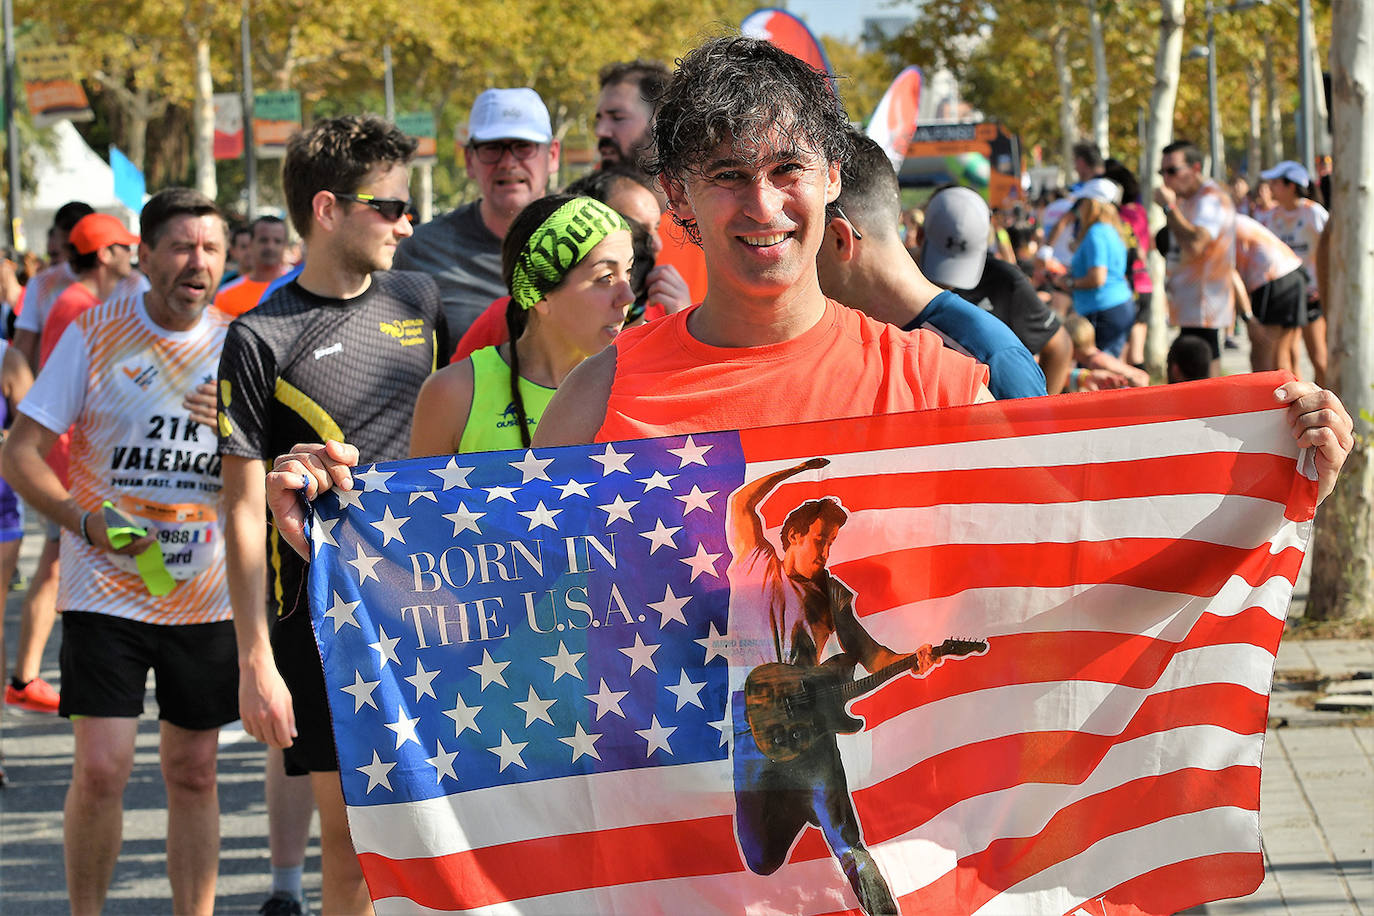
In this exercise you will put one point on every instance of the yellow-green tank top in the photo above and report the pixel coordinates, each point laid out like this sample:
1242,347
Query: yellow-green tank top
492,422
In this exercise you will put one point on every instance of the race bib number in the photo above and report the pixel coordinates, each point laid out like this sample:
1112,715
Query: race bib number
188,533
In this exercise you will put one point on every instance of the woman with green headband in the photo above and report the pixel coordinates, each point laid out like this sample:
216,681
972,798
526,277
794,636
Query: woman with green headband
566,261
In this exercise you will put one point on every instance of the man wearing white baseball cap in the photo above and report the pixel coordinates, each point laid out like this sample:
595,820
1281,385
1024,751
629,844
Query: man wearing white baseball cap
511,154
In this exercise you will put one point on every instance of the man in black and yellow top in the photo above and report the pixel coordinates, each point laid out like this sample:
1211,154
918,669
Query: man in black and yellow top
339,353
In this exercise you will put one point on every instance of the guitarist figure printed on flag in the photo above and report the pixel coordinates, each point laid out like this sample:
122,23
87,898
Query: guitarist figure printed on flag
783,612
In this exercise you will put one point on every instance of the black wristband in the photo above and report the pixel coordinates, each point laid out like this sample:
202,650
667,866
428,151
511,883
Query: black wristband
86,536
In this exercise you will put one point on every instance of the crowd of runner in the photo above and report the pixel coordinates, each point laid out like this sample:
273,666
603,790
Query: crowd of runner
179,402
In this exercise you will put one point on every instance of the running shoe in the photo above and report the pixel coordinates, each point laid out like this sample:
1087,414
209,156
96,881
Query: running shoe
281,904
36,696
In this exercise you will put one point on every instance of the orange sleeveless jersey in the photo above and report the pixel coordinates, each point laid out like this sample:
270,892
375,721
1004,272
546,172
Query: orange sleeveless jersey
134,445
668,383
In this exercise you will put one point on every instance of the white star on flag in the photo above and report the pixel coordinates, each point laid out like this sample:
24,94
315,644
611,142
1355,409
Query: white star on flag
376,773
701,562
540,516
670,608
582,744
531,468
361,691
452,475
390,527
535,707
564,662
341,612
687,691
509,752
365,565
656,735
422,681
696,500
464,519
464,717
322,532
374,481
608,700
495,493
691,453
385,647
658,481
422,494
490,671
404,728
612,461
573,488
619,508
661,536
712,642
349,499
640,655
442,762
719,725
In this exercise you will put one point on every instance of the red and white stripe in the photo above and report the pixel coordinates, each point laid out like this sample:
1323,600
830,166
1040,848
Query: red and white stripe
1129,558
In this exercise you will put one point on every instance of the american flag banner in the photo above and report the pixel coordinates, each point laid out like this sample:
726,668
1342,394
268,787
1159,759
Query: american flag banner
687,675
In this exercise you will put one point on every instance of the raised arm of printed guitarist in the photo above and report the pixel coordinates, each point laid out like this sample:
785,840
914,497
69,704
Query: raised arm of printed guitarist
744,528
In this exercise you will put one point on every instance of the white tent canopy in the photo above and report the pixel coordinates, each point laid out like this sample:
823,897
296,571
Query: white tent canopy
70,171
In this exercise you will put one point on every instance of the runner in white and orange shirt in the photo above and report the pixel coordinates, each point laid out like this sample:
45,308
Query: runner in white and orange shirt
1273,278
159,601
1299,221
1202,247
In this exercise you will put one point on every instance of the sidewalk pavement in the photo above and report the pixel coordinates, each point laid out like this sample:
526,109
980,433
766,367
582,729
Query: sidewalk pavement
38,752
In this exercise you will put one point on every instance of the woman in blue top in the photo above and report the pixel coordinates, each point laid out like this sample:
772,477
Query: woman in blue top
1097,272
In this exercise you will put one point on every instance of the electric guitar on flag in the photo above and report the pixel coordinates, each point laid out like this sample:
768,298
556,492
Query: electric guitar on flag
790,707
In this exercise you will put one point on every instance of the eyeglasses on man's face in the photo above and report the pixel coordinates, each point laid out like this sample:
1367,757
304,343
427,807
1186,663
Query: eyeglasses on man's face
491,152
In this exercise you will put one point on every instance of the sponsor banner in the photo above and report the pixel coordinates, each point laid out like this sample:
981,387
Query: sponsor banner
420,125
894,120
228,125
790,33
51,85
276,116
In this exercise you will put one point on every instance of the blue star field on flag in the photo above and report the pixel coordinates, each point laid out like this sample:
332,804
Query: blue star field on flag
507,617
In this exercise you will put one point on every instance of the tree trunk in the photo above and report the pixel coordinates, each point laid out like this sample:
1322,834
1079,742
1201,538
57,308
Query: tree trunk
1253,135
1273,122
203,121
1343,550
1159,134
1321,140
1068,104
1103,81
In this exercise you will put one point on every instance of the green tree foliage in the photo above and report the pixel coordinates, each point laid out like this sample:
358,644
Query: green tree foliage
863,76
1001,54
138,61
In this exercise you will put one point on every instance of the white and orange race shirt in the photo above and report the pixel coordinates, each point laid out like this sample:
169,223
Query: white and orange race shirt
1261,256
1199,287
1301,228
120,380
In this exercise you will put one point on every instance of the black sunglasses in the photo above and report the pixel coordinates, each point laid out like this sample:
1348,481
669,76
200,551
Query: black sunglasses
391,208
1170,170
490,153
